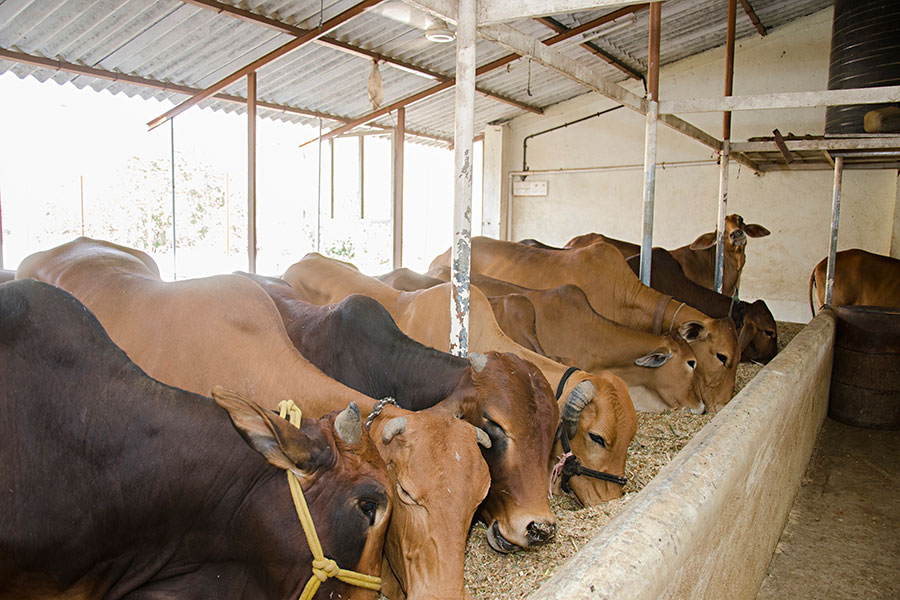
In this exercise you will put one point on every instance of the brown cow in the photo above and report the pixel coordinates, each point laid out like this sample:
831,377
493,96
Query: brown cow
357,342
659,369
860,277
698,259
617,294
757,330
199,333
596,410
118,486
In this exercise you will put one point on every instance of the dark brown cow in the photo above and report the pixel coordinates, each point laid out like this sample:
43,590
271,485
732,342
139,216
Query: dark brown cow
356,342
698,259
860,277
617,294
659,369
225,330
117,486
596,410
757,331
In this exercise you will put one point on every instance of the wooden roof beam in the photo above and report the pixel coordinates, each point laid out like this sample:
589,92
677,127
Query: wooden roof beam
310,36
348,48
753,18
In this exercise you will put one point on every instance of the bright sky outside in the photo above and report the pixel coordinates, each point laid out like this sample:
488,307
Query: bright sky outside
64,147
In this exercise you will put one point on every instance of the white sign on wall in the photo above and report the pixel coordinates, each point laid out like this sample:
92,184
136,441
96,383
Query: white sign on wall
529,188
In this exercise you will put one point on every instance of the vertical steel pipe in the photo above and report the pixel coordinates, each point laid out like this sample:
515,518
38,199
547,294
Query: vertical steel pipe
251,171
319,193
1,230
462,188
835,218
398,139
650,144
172,161
726,145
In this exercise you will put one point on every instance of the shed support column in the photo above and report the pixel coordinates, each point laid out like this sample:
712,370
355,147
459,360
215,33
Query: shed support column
462,189
835,218
1,230
726,147
650,145
398,140
251,171
491,221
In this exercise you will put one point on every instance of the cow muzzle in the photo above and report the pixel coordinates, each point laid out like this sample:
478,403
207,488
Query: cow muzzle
497,541
540,533
738,238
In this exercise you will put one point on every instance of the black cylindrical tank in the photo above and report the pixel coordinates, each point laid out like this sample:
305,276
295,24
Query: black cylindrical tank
865,52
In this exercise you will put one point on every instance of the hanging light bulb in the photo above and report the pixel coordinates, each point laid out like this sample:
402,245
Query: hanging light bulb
439,32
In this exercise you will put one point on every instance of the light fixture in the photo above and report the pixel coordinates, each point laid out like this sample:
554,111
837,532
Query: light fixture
439,32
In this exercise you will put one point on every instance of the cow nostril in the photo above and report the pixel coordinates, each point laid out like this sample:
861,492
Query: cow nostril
539,533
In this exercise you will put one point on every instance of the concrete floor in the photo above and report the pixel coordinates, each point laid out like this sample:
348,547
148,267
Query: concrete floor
842,539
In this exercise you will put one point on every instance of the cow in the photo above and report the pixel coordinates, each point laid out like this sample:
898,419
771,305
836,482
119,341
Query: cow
118,486
407,280
6,275
614,292
698,259
356,342
860,277
659,369
757,331
225,330
597,413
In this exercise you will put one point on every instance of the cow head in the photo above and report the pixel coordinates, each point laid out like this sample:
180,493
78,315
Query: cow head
736,233
439,479
758,333
715,344
599,418
344,482
511,400
665,377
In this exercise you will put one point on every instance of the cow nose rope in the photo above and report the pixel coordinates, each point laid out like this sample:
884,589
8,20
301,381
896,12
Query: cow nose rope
322,567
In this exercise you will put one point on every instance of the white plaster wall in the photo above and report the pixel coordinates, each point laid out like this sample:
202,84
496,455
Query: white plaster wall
795,206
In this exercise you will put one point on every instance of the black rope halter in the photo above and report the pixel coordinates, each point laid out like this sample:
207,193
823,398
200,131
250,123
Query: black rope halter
570,466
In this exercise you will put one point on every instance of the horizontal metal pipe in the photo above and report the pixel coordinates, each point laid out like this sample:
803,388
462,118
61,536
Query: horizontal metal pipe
635,167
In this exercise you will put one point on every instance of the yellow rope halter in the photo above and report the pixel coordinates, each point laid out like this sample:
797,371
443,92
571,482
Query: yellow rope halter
322,567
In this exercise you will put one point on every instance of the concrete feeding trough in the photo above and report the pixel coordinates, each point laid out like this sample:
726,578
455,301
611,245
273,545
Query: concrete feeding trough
707,525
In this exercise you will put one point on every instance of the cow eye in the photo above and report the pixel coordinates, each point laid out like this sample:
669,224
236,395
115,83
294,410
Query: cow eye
770,334
598,439
405,496
722,359
493,429
369,508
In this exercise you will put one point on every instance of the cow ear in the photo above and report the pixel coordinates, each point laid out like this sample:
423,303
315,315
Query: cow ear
748,331
693,331
270,437
655,359
754,230
707,240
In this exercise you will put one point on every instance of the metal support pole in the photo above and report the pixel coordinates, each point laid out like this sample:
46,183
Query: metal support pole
650,145
361,141
319,193
726,148
172,159
1,230
462,189
398,140
835,218
251,170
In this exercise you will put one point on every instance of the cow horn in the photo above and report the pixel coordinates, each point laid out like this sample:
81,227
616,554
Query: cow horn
578,398
394,427
483,438
478,361
348,424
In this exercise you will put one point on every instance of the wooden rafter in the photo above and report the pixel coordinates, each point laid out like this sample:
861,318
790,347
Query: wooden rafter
310,36
753,18
348,48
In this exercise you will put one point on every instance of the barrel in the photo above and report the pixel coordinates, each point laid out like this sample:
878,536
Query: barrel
865,377
865,52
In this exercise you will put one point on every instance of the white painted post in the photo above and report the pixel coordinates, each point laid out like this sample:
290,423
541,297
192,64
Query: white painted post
723,209
251,171
462,189
835,218
650,145
492,186
397,143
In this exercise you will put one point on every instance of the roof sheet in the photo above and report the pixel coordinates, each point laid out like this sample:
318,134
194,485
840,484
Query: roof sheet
172,42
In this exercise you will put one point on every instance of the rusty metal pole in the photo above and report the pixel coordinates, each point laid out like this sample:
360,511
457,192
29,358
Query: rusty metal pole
251,170
650,144
462,188
835,218
726,147
399,138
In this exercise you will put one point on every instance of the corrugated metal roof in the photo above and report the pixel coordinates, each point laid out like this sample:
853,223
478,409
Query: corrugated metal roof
171,42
